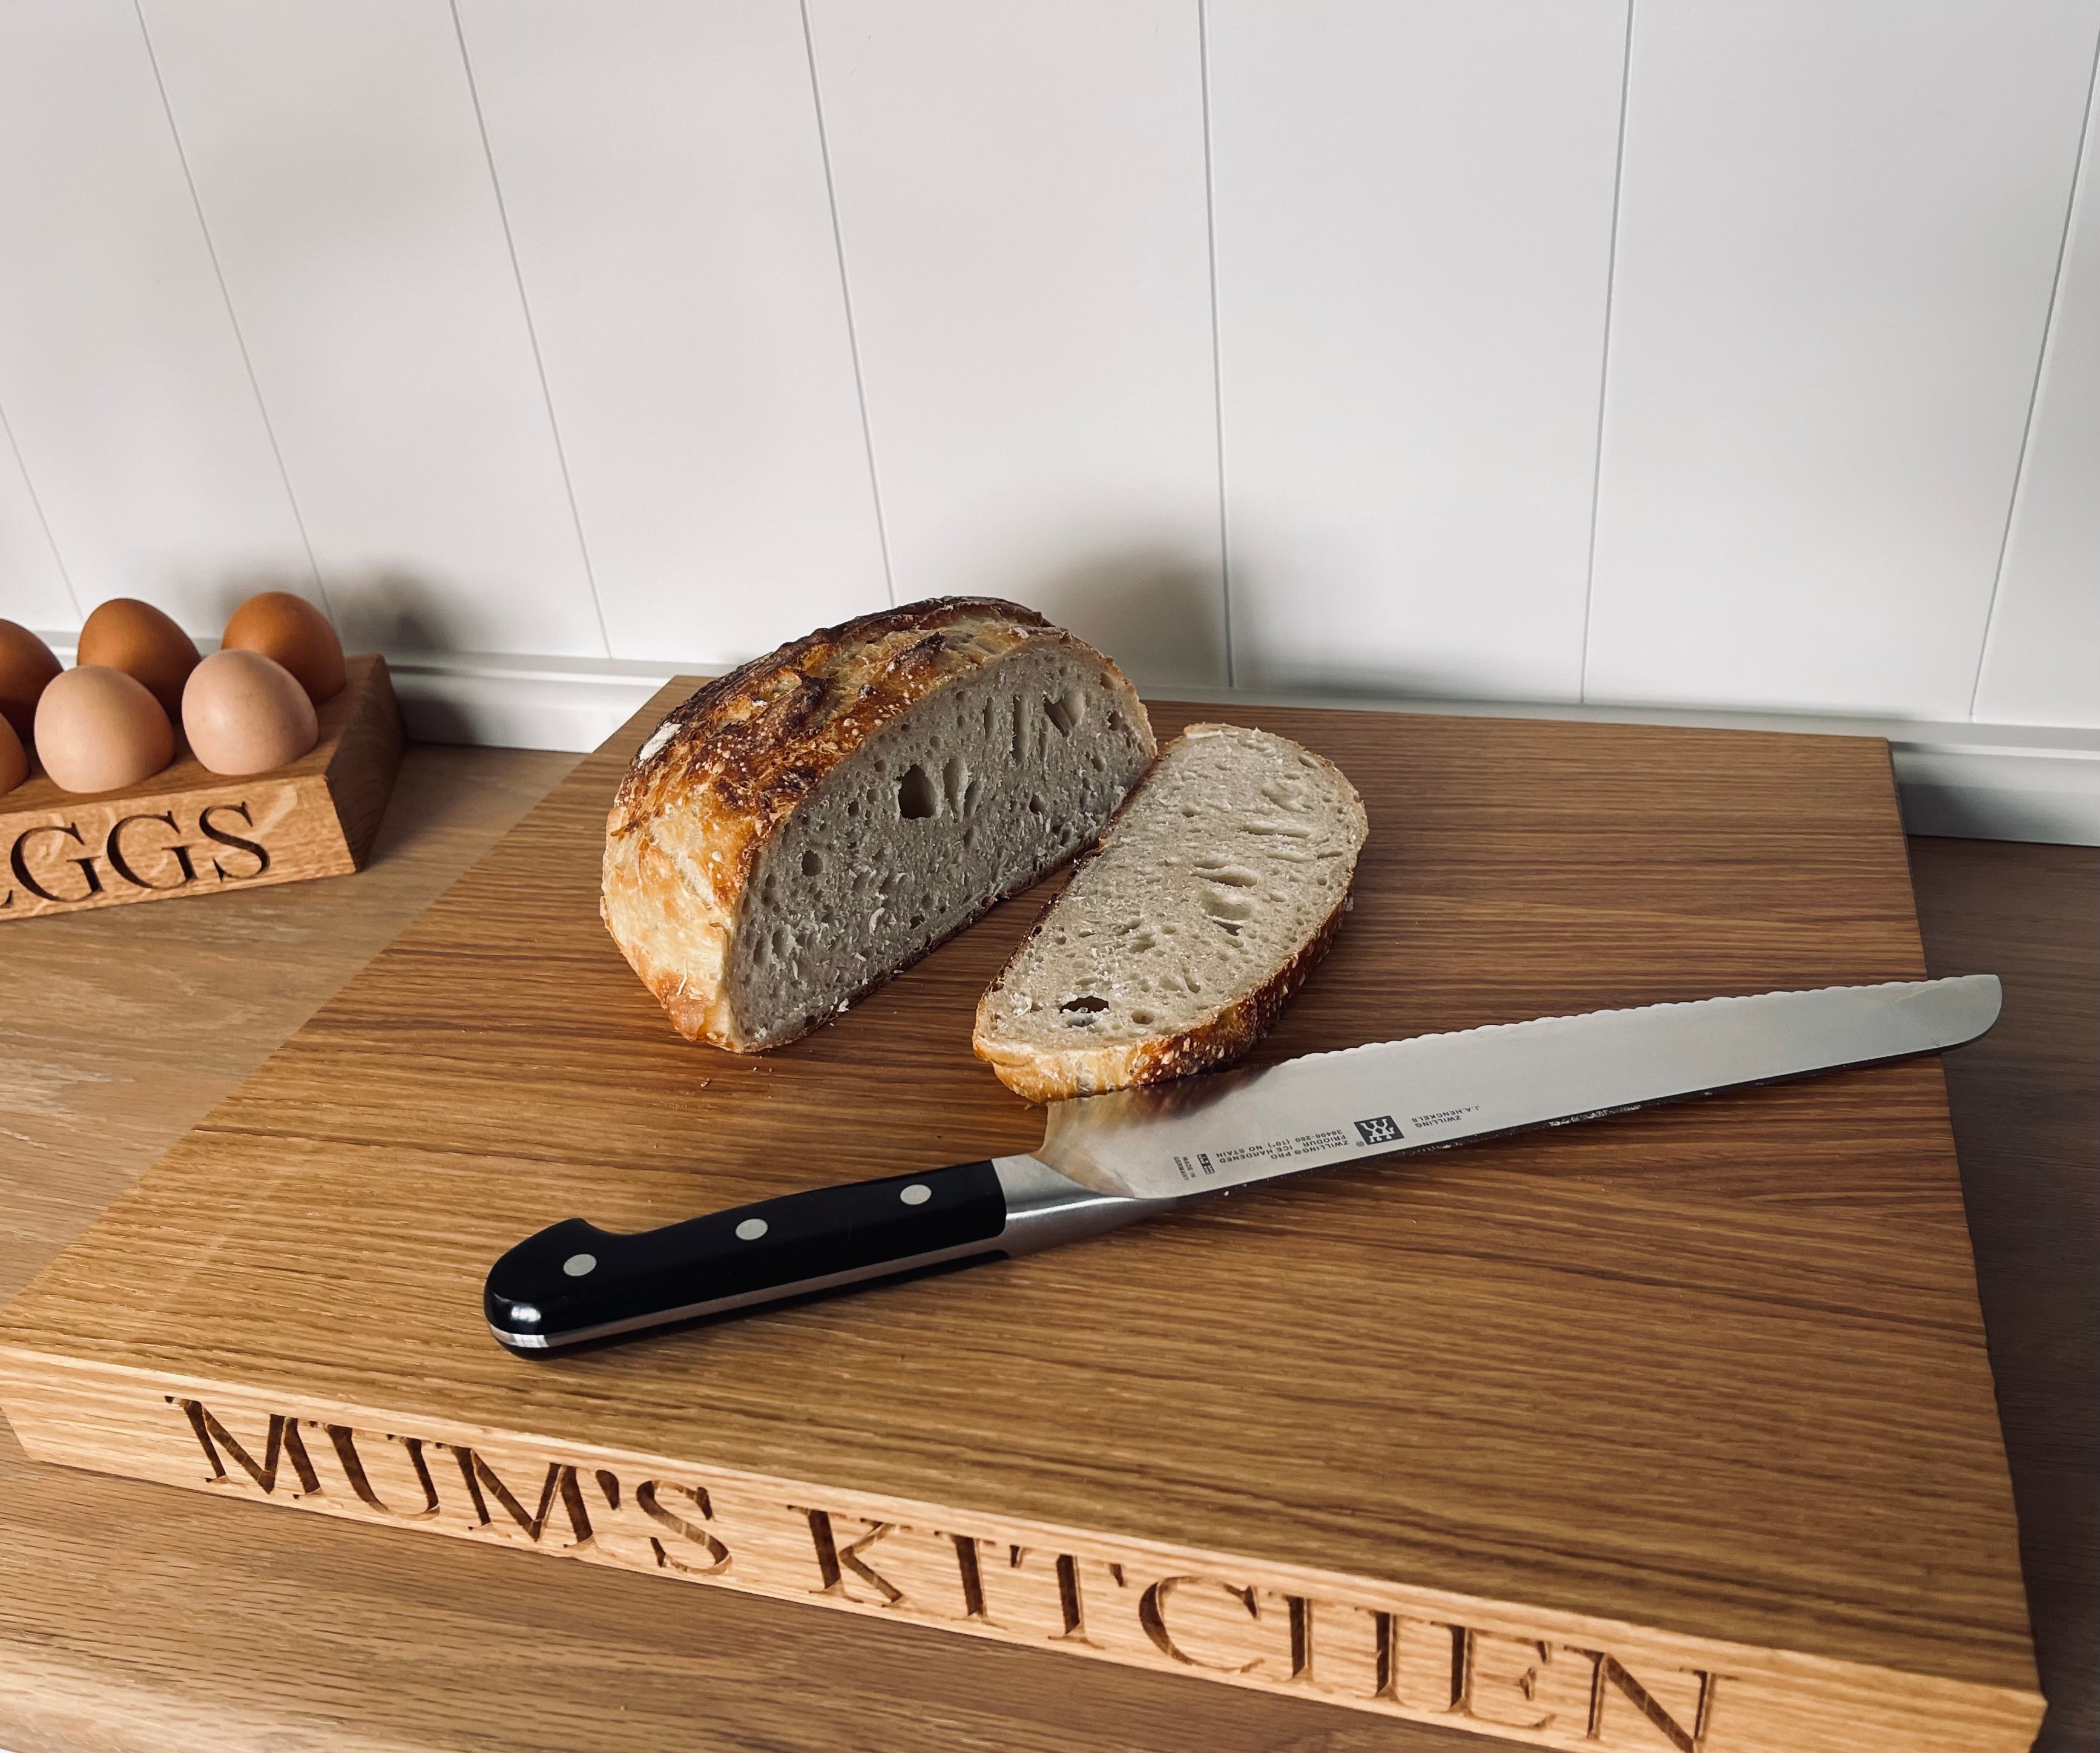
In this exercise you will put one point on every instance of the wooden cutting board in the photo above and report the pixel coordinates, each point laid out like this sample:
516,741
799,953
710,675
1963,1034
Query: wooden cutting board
1671,1431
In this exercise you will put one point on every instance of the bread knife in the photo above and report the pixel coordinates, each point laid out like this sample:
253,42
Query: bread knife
1107,1160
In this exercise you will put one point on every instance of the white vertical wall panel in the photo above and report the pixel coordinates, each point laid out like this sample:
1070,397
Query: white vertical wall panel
33,585
1021,192
661,166
120,369
2042,663
1413,211
1839,222
342,174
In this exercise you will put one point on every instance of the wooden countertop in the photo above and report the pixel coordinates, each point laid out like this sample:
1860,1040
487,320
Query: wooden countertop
136,1617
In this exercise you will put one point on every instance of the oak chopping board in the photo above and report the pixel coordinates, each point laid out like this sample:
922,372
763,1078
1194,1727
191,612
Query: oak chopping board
1675,1430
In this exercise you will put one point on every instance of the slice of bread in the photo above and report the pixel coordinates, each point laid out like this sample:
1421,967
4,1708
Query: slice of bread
1180,941
805,826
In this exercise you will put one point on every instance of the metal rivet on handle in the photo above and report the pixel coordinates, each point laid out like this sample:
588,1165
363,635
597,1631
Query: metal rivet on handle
751,1229
576,1264
917,1194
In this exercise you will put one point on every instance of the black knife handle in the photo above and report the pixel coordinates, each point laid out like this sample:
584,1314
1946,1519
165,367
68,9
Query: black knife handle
575,1282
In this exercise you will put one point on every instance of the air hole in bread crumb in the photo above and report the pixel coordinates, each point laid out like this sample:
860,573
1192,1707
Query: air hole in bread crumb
1228,876
813,862
1141,1017
1065,712
1227,907
1085,1001
916,799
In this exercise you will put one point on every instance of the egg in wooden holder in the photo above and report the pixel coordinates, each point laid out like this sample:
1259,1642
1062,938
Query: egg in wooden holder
292,752
244,713
27,666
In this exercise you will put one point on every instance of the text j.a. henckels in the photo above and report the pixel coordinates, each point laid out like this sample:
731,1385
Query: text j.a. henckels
1204,1619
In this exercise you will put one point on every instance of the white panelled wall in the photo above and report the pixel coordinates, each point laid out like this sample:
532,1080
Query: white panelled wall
1414,210
1838,230
1726,360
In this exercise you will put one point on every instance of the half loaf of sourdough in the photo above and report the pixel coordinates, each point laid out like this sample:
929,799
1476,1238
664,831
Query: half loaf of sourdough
1178,942
803,827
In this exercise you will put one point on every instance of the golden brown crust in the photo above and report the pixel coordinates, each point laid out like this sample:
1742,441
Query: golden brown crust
728,767
1219,1039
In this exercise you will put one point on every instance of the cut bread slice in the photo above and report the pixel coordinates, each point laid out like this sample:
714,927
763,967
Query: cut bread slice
805,826
1178,942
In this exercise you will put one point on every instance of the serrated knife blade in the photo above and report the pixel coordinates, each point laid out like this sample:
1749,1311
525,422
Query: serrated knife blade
1107,1160
1206,1135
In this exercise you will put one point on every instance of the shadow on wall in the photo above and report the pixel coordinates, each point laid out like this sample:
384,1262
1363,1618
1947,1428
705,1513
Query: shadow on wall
385,610
1159,614
393,609
1387,680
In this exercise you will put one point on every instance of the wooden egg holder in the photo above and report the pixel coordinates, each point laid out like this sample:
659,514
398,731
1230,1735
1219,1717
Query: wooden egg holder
187,830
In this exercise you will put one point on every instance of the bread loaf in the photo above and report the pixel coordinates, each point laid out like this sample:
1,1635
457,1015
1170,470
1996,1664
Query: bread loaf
1177,943
803,827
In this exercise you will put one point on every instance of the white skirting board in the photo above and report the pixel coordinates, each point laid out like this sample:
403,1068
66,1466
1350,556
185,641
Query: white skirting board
1976,781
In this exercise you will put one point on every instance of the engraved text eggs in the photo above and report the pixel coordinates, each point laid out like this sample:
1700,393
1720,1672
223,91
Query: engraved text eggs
244,713
136,638
298,635
97,730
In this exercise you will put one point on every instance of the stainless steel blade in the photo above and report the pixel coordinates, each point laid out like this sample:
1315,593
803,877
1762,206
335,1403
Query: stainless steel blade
1203,1134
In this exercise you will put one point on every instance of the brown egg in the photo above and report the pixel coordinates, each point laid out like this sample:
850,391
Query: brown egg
97,730
14,758
136,638
295,632
27,664
244,713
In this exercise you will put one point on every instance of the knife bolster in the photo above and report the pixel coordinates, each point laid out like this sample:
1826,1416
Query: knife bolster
1045,1208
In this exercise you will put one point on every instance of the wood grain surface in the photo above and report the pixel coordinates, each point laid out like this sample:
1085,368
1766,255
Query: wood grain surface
1861,1212
188,831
